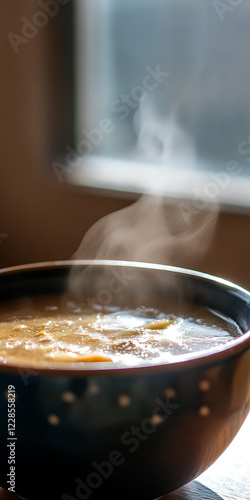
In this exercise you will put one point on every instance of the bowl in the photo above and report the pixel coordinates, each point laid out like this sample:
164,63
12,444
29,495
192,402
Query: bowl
75,432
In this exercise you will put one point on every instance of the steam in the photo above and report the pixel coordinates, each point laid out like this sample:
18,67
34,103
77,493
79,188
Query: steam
159,139
152,229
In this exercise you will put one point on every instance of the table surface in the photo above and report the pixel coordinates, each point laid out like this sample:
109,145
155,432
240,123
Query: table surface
227,479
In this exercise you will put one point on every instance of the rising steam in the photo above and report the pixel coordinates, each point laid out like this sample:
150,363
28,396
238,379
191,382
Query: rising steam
152,229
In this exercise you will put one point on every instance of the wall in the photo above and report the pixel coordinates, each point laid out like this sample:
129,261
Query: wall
43,218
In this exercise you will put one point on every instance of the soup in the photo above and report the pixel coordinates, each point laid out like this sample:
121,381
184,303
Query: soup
46,330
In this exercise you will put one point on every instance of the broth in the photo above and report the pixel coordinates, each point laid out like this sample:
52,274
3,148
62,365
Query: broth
48,329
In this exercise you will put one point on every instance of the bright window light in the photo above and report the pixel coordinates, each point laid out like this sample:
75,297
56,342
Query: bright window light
163,97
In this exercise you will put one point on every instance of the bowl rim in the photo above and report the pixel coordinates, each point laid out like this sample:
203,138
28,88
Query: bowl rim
191,360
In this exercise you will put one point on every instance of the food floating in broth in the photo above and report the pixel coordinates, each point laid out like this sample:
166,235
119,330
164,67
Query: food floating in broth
47,330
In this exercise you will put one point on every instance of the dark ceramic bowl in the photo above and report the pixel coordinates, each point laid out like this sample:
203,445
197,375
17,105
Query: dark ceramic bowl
102,429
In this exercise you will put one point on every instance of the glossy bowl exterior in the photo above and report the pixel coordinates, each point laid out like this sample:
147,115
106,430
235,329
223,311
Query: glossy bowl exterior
123,432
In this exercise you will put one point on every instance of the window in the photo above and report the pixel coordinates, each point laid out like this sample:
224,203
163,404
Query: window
163,97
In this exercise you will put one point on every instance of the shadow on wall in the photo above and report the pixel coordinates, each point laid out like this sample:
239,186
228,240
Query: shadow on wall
40,218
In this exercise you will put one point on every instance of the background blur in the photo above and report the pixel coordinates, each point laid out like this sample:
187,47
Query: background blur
44,219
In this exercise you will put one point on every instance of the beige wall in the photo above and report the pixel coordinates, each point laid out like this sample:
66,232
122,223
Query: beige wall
45,219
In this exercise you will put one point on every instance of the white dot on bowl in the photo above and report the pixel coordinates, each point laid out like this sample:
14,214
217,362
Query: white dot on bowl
204,385
93,388
157,419
204,411
53,419
124,400
68,397
170,393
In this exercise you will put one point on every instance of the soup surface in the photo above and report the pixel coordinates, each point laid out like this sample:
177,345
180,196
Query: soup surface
48,330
